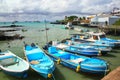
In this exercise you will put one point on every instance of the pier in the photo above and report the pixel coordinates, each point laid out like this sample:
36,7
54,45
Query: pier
113,75
7,33
110,30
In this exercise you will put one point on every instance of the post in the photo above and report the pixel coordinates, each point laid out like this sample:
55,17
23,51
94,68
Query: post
46,32
115,30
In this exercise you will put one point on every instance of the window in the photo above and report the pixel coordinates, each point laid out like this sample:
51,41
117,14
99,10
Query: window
95,37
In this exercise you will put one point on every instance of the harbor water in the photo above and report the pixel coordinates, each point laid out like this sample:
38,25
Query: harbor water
36,33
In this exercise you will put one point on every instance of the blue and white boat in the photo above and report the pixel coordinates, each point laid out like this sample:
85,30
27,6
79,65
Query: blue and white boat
39,61
87,51
13,65
99,36
102,49
77,62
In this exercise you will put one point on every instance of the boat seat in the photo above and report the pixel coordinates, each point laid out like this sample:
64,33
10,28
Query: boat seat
52,50
61,46
77,61
35,56
34,62
8,61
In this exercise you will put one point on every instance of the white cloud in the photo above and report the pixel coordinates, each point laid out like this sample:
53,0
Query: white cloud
57,7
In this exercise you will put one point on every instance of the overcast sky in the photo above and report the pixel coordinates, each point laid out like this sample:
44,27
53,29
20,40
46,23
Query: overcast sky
29,10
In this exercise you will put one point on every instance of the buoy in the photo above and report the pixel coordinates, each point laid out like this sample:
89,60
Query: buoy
58,61
81,37
49,75
99,53
78,68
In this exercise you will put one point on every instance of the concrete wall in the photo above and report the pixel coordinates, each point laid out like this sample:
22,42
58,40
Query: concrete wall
102,21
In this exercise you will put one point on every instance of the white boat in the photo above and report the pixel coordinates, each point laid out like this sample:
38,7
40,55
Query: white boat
13,65
69,25
99,36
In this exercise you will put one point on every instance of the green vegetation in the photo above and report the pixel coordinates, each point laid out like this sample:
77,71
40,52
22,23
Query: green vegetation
74,19
71,18
117,23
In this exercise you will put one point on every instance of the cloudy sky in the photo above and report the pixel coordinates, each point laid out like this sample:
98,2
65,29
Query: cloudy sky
29,10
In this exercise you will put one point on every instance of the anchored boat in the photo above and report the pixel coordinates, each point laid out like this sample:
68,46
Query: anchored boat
77,62
81,51
39,61
87,51
98,36
13,65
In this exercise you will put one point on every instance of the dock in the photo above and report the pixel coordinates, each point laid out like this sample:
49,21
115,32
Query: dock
8,33
113,75
113,30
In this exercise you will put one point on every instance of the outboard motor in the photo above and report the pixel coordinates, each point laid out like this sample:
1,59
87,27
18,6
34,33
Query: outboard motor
47,45
33,45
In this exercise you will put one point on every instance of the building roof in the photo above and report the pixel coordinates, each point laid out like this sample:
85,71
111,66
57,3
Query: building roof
104,15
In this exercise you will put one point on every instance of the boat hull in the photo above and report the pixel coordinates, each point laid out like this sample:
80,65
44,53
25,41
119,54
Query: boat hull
44,73
82,69
22,74
86,52
85,64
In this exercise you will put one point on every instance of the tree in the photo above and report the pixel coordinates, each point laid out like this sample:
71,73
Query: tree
80,18
71,18
117,23
84,18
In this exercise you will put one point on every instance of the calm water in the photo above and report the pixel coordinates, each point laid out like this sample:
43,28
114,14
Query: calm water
36,33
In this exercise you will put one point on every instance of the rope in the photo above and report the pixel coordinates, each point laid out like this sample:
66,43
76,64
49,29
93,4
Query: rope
53,77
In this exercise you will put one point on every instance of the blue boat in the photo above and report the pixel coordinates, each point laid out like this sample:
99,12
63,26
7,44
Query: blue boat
74,49
13,65
39,61
87,51
102,44
102,49
115,42
98,36
77,62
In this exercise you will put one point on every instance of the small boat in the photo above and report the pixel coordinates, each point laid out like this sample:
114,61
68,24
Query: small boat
102,49
81,38
39,61
13,65
99,36
87,51
69,26
77,62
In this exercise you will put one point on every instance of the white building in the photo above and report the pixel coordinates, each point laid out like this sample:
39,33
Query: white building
116,12
101,20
